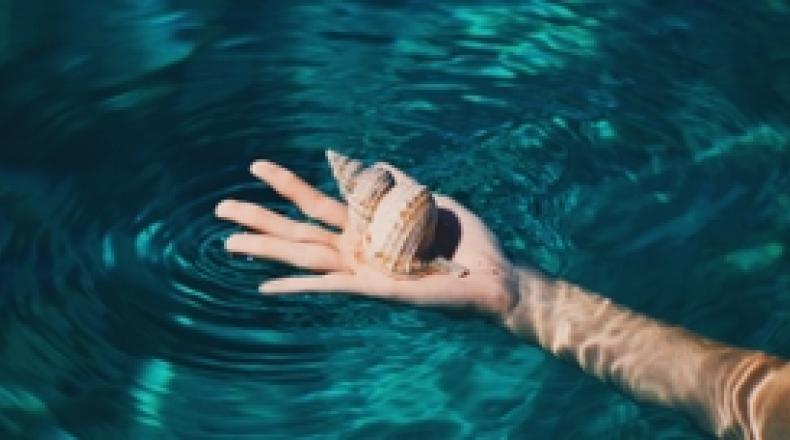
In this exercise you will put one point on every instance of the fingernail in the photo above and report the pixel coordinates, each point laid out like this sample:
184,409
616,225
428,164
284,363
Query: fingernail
231,242
261,166
221,210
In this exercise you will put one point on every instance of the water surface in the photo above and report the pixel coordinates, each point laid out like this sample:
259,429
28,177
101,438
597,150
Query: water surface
639,150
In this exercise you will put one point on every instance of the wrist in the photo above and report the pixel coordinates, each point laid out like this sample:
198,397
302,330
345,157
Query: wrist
508,296
516,316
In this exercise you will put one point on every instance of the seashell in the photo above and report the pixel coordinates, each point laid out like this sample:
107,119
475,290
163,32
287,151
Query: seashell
361,188
344,170
396,220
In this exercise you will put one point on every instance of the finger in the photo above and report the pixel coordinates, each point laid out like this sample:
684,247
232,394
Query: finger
305,255
260,219
427,290
309,200
303,284
338,282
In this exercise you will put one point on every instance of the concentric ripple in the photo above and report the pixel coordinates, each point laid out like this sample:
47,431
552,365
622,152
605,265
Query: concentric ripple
215,340
641,151
180,244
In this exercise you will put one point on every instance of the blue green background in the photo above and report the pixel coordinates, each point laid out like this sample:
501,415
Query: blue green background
638,148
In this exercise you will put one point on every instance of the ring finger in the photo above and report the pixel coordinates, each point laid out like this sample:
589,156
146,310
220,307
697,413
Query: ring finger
311,256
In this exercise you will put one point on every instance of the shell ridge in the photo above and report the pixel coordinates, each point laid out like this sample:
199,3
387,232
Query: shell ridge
396,216
408,207
385,230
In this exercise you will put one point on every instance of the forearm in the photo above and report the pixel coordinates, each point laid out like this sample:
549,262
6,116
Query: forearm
734,393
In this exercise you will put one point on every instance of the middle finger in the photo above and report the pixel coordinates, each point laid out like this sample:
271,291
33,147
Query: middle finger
260,219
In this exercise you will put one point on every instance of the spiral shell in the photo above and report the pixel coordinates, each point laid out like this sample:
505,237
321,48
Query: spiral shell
402,229
361,188
396,220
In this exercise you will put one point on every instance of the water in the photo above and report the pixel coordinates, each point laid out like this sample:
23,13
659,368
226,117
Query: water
639,150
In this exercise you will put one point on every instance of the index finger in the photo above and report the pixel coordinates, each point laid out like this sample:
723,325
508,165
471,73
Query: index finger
310,201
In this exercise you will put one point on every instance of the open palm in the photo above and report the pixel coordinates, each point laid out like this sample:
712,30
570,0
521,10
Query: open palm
461,237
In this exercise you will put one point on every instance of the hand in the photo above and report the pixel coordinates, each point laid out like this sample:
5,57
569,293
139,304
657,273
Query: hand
461,236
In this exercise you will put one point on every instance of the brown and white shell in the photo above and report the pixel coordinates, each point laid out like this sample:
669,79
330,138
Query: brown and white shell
362,188
396,220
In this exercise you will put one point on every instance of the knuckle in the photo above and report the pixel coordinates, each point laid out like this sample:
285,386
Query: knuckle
319,207
312,259
301,231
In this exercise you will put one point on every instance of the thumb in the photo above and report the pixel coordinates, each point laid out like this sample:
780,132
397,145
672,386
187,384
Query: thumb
430,290
334,282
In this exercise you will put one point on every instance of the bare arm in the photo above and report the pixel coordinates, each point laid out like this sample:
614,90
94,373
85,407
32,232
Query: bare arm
733,393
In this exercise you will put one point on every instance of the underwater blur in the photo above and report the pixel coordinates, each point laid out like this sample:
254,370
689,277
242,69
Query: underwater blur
640,150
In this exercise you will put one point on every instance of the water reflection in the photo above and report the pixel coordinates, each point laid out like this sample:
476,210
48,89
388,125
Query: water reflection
640,151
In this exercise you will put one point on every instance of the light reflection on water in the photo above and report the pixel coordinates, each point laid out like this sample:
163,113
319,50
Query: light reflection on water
640,151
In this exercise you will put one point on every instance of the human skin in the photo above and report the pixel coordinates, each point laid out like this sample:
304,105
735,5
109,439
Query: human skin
732,393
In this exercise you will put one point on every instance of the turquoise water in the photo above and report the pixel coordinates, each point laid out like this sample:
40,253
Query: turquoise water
641,151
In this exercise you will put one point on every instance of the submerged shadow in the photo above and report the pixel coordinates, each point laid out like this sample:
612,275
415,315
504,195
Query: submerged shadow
448,234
